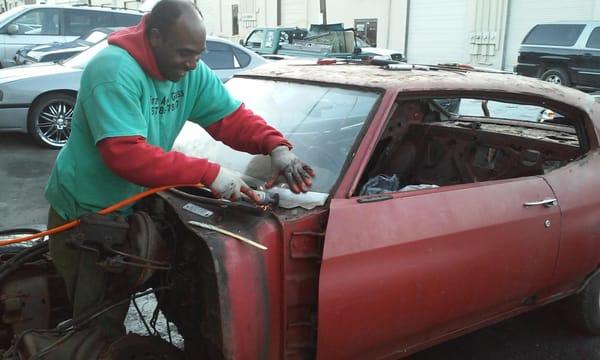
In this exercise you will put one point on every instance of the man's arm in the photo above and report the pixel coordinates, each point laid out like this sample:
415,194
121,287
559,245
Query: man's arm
245,131
136,161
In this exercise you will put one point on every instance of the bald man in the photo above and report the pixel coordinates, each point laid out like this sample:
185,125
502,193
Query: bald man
135,97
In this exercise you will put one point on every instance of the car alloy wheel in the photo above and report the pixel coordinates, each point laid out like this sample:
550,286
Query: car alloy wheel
556,76
50,120
554,79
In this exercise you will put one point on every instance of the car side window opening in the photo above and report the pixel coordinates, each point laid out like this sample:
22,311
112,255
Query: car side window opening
594,40
219,56
78,22
434,142
256,39
38,22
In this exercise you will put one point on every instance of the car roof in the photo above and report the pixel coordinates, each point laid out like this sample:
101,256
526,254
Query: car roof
374,77
573,22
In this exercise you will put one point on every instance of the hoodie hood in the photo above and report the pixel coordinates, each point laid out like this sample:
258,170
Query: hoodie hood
133,40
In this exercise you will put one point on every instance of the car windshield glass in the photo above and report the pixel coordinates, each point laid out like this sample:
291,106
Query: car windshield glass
95,36
9,14
321,122
81,60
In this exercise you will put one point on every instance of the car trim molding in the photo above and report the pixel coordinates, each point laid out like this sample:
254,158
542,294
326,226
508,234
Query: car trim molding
10,106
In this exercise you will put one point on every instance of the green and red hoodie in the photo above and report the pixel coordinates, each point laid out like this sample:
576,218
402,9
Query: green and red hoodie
137,161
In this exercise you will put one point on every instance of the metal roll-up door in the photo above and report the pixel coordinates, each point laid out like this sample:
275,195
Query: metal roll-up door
437,31
293,13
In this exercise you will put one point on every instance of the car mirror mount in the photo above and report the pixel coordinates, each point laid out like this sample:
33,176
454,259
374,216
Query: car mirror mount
12,29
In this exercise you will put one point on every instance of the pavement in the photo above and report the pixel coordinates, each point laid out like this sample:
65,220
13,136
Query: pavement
540,335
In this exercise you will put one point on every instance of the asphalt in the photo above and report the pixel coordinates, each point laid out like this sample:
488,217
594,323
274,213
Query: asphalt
540,335
24,169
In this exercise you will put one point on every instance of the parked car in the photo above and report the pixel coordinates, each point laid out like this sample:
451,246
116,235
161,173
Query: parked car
566,53
60,51
39,98
42,24
332,40
504,218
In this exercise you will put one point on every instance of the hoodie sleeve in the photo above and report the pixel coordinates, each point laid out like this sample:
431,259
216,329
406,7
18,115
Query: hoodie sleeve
136,161
243,130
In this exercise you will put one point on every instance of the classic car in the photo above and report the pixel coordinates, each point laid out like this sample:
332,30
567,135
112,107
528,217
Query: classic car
39,98
422,224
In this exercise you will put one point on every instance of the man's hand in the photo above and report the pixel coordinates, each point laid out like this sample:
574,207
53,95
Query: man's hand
229,185
297,174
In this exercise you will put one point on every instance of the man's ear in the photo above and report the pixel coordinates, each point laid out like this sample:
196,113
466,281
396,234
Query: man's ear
155,37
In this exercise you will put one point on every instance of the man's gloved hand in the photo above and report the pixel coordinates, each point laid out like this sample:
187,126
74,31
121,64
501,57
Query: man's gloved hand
229,185
297,174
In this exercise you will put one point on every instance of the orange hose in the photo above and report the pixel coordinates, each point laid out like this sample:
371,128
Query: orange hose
104,211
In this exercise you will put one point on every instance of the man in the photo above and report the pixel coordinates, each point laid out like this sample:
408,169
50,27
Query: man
134,99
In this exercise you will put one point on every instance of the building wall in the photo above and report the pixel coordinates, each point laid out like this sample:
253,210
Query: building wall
390,15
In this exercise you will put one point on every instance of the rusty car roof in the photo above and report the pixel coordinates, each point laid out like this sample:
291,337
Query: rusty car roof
369,76
415,81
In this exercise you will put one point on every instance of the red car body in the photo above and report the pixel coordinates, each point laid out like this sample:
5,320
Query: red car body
385,276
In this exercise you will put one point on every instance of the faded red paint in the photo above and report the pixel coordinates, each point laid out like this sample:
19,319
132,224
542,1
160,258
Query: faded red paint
385,279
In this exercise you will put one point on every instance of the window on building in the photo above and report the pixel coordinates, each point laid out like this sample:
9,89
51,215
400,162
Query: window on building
366,29
554,34
594,40
235,25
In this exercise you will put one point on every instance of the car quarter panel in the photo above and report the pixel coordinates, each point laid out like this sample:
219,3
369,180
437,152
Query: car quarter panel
576,186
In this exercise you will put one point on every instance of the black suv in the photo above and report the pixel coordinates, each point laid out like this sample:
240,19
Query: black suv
566,53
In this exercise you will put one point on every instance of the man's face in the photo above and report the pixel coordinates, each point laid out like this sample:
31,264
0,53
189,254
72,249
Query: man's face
178,51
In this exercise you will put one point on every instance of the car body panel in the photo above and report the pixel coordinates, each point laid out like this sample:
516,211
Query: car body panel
418,266
580,240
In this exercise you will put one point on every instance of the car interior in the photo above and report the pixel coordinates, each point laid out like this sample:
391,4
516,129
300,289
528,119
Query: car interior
432,142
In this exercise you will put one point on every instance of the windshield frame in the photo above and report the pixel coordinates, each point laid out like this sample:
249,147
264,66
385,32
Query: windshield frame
378,94
361,134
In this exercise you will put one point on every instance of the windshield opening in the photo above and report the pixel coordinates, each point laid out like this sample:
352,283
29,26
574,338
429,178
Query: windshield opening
321,122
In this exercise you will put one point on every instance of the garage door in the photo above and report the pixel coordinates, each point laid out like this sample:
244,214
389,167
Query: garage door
293,13
525,14
437,31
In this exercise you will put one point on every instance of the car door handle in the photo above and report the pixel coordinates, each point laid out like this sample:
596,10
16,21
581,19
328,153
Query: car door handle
545,202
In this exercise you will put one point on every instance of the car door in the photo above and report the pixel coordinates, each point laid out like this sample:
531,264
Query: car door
36,26
576,186
589,73
399,269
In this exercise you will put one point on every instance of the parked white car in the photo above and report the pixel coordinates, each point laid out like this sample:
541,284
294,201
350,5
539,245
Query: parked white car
39,99
43,24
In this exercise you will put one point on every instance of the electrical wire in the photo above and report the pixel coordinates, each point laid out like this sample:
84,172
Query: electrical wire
105,211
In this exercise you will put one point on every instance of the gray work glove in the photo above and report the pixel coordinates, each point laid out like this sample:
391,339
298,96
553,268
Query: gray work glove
297,174
229,185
